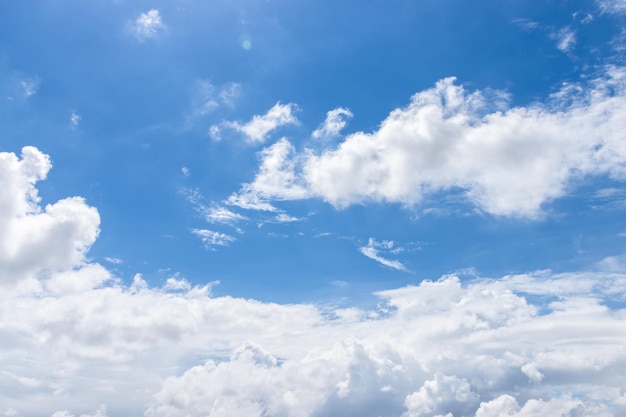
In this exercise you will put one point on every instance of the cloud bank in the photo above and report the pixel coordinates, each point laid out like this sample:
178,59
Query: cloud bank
74,338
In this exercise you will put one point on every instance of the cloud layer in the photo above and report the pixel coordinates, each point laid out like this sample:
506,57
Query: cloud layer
75,340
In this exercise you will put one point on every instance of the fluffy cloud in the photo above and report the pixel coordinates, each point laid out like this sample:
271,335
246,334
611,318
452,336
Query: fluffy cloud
335,121
507,162
257,129
73,337
33,240
147,25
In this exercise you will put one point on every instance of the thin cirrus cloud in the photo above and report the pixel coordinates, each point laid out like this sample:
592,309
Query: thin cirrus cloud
565,38
213,213
373,249
211,239
256,131
505,161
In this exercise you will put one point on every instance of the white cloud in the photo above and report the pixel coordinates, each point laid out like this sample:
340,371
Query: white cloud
257,129
276,179
566,39
506,162
286,218
211,239
115,261
185,171
373,248
73,336
214,214
32,240
74,119
148,25
335,121
612,6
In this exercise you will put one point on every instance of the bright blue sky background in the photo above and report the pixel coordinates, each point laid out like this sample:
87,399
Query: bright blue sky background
414,208
139,100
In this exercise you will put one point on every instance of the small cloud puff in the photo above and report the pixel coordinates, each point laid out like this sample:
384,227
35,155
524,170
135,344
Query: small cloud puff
257,129
335,121
147,25
74,119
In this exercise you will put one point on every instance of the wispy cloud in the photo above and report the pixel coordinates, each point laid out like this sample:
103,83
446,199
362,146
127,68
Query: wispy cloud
30,86
148,25
373,249
115,261
565,38
213,213
211,239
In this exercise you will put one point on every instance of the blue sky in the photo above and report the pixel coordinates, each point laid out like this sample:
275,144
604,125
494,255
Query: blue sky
336,159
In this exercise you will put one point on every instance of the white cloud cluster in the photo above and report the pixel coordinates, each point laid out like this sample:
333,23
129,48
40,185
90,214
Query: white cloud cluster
508,162
335,121
73,337
257,129
148,25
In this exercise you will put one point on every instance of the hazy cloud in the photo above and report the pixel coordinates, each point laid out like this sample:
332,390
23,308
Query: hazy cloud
148,25
211,239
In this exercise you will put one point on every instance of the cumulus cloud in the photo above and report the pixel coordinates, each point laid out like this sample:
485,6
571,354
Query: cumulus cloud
335,121
73,336
257,130
35,240
148,25
373,248
507,162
